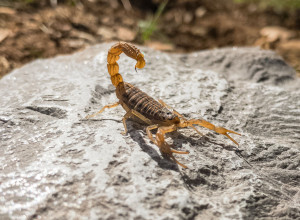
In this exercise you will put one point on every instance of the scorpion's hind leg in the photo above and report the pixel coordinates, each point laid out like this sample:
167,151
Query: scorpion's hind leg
107,106
206,124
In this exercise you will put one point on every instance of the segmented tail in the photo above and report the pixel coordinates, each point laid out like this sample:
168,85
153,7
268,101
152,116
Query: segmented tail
114,55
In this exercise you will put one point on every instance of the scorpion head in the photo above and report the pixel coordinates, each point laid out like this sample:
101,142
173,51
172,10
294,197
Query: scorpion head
170,117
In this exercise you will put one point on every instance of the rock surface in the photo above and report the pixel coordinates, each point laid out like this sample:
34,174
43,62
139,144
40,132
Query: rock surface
55,165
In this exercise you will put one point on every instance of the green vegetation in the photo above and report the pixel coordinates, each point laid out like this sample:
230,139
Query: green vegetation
276,4
149,26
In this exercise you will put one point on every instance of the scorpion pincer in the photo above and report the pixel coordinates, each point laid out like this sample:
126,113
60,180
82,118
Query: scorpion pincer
155,113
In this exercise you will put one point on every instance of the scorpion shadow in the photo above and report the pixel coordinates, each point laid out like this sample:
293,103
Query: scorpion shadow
178,140
135,128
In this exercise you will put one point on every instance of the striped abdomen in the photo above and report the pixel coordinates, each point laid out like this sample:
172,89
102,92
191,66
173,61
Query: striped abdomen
136,99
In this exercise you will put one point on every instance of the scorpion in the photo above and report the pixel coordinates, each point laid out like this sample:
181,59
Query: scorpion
157,114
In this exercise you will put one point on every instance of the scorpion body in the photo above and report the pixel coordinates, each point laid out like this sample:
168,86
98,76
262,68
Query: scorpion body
155,113
138,100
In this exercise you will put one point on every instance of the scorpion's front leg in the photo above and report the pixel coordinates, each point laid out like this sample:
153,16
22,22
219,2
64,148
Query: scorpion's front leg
164,147
148,130
210,126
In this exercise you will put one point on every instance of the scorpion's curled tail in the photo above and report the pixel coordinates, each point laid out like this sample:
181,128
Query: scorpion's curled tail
114,55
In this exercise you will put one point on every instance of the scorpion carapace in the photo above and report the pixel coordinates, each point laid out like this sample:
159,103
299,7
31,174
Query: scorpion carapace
156,114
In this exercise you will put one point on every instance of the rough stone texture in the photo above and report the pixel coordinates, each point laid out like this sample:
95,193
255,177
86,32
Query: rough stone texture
54,165
248,64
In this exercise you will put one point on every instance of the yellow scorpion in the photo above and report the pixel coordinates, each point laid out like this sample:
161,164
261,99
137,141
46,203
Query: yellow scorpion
155,113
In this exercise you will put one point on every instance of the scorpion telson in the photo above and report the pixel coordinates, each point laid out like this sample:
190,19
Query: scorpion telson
139,104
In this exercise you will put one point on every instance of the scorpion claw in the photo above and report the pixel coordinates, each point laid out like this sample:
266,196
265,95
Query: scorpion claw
231,139
225,132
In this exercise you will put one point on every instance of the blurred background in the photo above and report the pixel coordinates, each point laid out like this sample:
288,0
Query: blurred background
31,29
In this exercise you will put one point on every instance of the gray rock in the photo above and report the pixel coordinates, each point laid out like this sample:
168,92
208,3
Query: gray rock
55,165
248,64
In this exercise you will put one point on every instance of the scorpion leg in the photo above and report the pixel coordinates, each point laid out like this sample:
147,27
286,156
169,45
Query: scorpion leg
210,126
140,116
179,115
160,141
148,130
107,106
164,147
135,113
126,116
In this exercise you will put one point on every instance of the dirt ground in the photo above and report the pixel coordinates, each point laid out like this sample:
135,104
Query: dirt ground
42,29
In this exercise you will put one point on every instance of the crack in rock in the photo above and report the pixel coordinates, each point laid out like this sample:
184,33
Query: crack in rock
51,111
